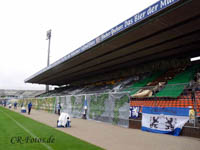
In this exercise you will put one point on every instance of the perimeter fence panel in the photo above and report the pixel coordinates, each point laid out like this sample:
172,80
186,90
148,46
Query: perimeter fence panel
47,104
109,107
120,109
114,108
99,107
77,103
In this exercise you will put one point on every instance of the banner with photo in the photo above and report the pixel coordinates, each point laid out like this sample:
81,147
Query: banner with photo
168,120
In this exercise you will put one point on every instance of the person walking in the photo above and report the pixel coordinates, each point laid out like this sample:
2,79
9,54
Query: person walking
29,107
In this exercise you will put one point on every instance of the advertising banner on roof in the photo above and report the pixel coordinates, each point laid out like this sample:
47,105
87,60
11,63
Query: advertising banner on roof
151,10
158,6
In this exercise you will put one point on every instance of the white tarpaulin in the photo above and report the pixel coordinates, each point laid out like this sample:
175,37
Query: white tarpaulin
62,121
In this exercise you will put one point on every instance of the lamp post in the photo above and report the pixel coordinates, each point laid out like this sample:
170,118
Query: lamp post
48,59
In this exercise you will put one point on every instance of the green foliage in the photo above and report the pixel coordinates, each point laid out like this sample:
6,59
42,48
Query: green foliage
47,104
77,105
53,104
97,105
118,104
73,98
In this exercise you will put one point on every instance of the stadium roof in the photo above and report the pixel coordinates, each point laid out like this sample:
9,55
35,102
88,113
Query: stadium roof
166,28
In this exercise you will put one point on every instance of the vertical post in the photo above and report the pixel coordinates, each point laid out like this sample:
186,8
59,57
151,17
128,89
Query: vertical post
195,106
48,57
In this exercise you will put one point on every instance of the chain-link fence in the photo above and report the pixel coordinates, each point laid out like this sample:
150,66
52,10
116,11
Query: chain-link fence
107,107
115,107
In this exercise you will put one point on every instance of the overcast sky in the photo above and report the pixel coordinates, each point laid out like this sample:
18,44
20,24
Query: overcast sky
23,26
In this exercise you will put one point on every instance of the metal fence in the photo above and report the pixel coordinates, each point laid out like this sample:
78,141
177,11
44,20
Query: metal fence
114,107
107,107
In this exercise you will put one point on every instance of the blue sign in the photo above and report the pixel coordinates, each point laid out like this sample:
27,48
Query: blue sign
166,111
134,112
151,10
169,120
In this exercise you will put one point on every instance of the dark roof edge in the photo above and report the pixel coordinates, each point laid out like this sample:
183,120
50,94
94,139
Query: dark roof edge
130,22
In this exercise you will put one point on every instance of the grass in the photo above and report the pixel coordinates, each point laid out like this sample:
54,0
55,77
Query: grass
14,126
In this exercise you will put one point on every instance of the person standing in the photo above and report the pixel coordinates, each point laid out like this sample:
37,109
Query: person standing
85,109
85,112
15,105
4,104
59,108
29,107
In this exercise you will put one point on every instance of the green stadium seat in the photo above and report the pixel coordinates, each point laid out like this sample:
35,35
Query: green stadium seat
176,86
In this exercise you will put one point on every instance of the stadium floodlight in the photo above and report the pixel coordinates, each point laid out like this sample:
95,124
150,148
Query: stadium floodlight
48,59
48,34
48,38
195,58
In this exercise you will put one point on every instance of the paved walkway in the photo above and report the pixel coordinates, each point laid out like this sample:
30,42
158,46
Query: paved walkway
117,138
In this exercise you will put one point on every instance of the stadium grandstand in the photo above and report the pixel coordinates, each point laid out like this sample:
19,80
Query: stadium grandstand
7,95
147,57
